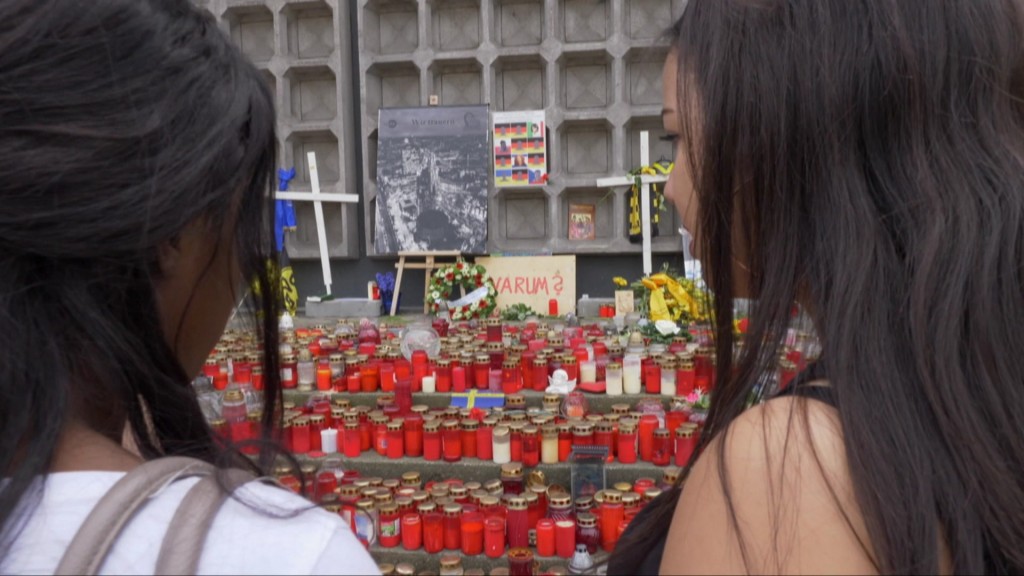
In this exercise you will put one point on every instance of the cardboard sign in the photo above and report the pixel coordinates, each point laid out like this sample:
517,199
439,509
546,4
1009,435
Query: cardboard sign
624,303
534,281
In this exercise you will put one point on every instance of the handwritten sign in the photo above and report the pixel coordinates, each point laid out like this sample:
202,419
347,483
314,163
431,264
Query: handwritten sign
624,302
534,281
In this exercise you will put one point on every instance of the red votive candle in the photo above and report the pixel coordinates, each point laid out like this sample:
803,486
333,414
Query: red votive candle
518,523
648,423
444,376
351,439
458,379
353,382
686,443
396,439
472,533
546,537
390,525
433,532
494,536
300,435
452,527
612,513
413,429
412,531
565,538
451,441
432,441
485,439
469,443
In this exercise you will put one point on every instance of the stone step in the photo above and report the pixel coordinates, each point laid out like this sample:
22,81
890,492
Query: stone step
599,403
423,561
370,464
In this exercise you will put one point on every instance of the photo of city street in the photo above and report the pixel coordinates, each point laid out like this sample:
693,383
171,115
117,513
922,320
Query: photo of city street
433,174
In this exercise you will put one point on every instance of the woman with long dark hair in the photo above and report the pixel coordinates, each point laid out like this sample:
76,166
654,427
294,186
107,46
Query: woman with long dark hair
865,159
138,151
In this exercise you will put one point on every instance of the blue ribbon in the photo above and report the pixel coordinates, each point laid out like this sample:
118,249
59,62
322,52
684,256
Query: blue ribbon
284,212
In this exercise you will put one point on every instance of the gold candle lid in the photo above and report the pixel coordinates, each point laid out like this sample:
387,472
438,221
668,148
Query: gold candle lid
671,475
452,509
511,469
470,424
517,503
651,494
586,520
386,569
405,569
559,500
449,561
411,478
612,496
661,433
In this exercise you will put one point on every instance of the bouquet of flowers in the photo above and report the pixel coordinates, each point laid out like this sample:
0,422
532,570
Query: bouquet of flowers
668,296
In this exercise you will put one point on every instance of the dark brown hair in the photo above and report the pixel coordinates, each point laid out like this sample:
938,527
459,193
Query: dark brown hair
872,153
121,123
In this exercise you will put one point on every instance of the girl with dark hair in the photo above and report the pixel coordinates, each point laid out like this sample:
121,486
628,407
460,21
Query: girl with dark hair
138,155
865,159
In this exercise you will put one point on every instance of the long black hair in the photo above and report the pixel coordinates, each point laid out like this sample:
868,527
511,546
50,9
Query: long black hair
869,155
121,123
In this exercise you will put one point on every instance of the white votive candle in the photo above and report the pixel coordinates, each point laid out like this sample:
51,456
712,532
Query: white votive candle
429,384
329,440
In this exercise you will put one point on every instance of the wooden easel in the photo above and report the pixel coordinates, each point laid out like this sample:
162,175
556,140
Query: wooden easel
428,266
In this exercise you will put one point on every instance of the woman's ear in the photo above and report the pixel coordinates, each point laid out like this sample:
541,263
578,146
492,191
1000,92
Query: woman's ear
169,256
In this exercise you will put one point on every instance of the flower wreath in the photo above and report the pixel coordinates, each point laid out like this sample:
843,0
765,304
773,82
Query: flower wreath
468,276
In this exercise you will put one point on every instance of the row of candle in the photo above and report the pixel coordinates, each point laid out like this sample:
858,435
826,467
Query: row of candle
478,518
501,436
485,360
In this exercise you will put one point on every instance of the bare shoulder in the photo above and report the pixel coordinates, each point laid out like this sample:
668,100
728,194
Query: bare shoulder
793,509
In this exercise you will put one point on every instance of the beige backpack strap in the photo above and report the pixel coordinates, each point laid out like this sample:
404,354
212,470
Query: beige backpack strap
92,543
186,534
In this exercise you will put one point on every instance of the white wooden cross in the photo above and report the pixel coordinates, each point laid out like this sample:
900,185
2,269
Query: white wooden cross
645,195
317,198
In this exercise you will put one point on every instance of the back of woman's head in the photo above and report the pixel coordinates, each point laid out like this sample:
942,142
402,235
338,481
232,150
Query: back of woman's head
123,123
866,158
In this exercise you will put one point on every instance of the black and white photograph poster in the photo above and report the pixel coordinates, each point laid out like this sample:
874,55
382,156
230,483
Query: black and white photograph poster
433,173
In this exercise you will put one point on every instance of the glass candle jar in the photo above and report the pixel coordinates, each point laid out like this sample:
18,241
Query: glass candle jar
661,454
472,526
686,443
493,330
512,478
613,379
443,375
452,441
412,531
668,378
571,367
501,445
549,444
485,439
652,377
631,505
289,371
552,402
583,434
588,372
531,446
538,370
459,380
612,513
560,506
433,531
432,440
626,449
631,374
469,443
604,435
517,523
564,441
648,424
686,377
565,538
587,532
396,439
533,509
510,379
389,525
452,527
495,355
520,560
481,371
413,430
545,537
301,435
494,536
